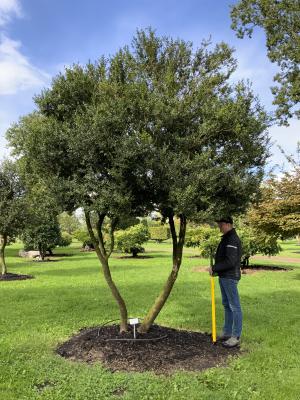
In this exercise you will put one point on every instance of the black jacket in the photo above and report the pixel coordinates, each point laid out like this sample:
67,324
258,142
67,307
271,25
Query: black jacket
228,256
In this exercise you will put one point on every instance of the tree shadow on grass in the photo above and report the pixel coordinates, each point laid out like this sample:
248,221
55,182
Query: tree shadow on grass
85,270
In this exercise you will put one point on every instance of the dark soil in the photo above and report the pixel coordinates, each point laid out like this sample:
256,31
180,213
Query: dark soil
15,277
253,268
59,255
161,350
134,258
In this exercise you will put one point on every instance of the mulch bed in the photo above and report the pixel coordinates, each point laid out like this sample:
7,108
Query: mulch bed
162,350
259,268
134,258
15,277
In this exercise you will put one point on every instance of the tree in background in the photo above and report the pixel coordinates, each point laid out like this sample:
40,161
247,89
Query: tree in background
65,240
42,231
68,223
83,236
159,232
281,23
131,239
278,212
13,212
254,242
206,239
41,234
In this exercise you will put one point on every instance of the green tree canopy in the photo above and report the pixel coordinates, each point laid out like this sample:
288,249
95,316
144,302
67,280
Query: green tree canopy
280,21
85,140
278,212
207,137
159,232
42,231
254,241
206,239
159,127
13,211
68,222
131,239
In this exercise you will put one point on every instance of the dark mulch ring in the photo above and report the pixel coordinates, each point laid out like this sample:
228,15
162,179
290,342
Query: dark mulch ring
60,255
15,277
134,258
258,268
252,269
161,350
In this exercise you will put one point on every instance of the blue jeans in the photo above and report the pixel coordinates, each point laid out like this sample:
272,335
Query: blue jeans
231,302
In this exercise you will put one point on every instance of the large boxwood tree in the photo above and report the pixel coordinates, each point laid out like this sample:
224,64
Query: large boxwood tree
157,127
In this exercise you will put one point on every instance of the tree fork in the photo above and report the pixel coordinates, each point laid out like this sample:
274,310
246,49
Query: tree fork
177,258
103,258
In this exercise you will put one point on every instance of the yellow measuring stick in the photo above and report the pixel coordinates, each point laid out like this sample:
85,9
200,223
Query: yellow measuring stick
213,310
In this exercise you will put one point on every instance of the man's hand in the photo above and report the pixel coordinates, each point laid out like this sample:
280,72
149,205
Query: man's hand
210,271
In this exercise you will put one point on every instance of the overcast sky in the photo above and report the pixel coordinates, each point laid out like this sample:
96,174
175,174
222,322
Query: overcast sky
39,37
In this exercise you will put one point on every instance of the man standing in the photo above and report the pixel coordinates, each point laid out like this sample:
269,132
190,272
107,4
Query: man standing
227,267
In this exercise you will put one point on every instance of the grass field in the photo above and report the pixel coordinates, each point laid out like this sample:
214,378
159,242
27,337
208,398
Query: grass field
69,294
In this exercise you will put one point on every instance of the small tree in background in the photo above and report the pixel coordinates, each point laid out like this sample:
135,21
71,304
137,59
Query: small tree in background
83,236
159,232
65,240
256,242
206,239
131,239
42,230
13,210
253,242
68,223
278,212
42,235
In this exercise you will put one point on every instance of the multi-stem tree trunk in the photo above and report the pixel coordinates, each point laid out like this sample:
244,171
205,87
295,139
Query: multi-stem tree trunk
103,257
3,242
177,258
42,251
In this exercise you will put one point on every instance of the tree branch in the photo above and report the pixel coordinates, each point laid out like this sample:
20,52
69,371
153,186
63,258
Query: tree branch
112,236
101,217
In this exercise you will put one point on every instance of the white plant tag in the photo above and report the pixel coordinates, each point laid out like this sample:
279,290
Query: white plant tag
133,321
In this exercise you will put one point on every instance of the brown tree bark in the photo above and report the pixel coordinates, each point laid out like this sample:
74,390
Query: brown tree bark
103,257
3,243
177,258
42,252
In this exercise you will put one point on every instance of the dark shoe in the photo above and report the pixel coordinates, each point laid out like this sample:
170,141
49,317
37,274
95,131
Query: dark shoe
232,342
223,337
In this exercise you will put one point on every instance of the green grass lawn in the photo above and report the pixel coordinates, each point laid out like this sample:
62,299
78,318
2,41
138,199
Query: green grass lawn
69,294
